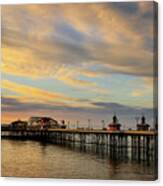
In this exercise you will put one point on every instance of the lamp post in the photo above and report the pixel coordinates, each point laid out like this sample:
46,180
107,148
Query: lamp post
77,124
137,119
103,124
89,123
68,124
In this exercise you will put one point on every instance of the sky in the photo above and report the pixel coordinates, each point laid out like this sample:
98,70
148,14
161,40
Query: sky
77,61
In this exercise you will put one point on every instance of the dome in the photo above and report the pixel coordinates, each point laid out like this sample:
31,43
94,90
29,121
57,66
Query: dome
114,125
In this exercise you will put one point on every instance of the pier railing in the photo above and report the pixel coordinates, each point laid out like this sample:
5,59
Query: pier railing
97,136
142,144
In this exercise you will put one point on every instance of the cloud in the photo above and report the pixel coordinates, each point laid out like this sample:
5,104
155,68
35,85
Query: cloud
144,87
100,34
35,93
70,77
16,104
138,93
111,107
79,45
29,94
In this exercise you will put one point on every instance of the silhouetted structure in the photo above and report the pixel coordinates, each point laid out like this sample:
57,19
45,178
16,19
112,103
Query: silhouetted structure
143,144
143,125
114,126
43,122
63,126
18,124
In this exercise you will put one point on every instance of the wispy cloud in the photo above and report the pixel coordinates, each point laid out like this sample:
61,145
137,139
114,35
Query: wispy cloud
15,104
144,87
99,34
35,93
38,96
79,46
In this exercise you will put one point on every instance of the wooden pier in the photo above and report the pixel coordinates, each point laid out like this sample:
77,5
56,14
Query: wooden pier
142,144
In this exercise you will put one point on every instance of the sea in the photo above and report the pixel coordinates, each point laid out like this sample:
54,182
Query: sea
27,158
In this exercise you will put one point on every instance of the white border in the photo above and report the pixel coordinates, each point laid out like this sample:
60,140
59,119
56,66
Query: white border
69,182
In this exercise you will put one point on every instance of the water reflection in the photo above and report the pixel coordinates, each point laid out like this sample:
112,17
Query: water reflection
69,160
113,153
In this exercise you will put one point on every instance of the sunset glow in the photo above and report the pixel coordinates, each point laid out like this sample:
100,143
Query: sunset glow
76,61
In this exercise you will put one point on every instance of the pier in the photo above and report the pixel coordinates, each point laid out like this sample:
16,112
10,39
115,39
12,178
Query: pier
141,144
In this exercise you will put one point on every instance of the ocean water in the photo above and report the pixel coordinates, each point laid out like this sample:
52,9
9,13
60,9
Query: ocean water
36,159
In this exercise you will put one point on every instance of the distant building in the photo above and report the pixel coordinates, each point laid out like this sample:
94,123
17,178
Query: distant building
63,125
114,126
5,127
43,122
143,125
18,124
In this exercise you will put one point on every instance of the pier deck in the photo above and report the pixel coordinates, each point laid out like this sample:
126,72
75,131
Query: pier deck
143,144
86,131
100,131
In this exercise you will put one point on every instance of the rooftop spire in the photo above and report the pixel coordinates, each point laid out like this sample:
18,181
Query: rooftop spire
143,119
114,119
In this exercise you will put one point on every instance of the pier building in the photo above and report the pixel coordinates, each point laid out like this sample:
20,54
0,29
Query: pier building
114,126
143,125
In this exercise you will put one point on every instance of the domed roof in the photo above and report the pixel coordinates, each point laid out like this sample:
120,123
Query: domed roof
114,122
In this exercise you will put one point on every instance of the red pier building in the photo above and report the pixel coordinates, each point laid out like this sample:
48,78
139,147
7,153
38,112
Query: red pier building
114,126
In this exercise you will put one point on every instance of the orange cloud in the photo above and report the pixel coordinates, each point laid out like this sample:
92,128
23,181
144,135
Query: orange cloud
114,32
138,93
109,40
144,87
36,93
28,94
